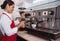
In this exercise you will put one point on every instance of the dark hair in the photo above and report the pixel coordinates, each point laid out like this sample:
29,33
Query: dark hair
22,12
9,2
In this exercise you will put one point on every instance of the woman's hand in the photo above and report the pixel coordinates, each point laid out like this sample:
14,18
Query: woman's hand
19,19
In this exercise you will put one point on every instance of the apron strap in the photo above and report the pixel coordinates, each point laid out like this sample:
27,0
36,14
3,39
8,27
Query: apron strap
7,15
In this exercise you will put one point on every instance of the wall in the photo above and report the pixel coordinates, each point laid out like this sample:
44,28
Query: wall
46,5
1,1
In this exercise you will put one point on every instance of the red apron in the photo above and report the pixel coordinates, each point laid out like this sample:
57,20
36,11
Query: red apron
10,38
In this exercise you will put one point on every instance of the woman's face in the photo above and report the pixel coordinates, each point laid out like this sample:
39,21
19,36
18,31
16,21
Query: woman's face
10,8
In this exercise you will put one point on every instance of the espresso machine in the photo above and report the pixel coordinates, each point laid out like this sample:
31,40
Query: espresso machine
49,18
46,23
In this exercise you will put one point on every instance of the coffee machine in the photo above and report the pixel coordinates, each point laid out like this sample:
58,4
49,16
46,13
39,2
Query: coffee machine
45,23
49,18
46,18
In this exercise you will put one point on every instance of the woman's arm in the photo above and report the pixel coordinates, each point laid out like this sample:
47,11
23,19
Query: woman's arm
5,22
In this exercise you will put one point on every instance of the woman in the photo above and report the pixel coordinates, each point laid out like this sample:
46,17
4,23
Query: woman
9,29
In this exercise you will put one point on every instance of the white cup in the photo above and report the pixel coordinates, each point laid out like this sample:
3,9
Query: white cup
33,25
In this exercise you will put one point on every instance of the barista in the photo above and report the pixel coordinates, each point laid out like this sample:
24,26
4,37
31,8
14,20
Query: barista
8,27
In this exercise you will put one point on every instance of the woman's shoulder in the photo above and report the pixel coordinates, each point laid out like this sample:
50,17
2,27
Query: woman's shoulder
4,18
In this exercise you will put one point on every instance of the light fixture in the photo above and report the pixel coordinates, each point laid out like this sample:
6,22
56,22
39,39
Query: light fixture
37,1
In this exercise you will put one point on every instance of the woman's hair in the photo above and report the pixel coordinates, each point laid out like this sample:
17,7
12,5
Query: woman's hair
9,2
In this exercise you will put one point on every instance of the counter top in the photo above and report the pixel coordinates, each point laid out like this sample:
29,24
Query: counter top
29,37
